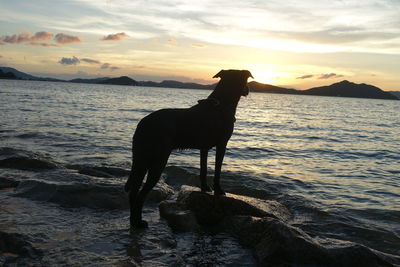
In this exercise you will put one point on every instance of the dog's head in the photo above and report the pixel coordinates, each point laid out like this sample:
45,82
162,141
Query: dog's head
236,79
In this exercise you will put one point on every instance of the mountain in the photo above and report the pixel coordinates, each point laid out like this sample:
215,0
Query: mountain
7,75
267,88
343,88
123,80
94,80
18,74
395,93
349,89
176,84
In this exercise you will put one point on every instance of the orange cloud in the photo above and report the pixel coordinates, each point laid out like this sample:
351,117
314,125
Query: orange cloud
114,37
42,44
90,61
330,75
62,38
199,45
41,36
307,76
25,37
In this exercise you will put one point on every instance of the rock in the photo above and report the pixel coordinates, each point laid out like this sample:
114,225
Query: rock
99,171
176,177
8,183
91,195
211,210
24,160
277,243
160,192
178,218
14,243
93,172
261,225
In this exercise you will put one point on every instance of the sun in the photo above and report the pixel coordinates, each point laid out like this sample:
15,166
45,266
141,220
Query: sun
268,77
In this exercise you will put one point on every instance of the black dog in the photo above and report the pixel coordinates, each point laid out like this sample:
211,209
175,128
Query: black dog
203,126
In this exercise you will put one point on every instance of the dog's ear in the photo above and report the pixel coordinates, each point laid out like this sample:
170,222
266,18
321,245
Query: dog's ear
219,74
248,73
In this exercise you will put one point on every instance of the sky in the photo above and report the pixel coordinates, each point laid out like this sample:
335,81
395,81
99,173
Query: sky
297,44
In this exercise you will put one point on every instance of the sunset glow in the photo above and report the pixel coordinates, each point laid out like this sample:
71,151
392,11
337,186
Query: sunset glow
293,44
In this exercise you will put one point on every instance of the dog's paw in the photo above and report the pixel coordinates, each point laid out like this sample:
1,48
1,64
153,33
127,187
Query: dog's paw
206,188
139,224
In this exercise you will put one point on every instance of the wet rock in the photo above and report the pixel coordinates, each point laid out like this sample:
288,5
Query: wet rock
91,195
24,160
177,176
178,218
99,171
277,243
93,172
211,210
261,225
7,183
17,245
160,192
75,195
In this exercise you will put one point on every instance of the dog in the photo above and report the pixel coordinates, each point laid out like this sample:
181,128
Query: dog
206,125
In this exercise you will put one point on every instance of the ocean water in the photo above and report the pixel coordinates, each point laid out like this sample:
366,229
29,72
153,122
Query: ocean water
333,162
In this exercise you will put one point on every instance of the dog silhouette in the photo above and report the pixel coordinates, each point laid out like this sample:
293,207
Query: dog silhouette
206,125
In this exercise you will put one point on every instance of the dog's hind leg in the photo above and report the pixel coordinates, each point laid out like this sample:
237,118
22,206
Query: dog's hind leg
153,176
133,185
219,157
203,170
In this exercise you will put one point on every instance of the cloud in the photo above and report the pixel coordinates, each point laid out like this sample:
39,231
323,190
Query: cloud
90,61
38,38
199,45
62,38
69,61
114,37
25,37
330,75
105,66
42,44
109,66
305,76
41,36
75,61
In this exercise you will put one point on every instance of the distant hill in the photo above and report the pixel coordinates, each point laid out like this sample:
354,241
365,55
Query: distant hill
123,80
267,88
18,74
94,80
176,84
7,75
343,88
349,89
395,93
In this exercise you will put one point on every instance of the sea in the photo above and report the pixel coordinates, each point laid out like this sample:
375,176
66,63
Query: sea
333,162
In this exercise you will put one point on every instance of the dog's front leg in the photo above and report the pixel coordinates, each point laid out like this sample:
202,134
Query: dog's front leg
203,170
219,157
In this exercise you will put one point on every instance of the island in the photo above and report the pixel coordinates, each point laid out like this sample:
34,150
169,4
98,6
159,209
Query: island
340,89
